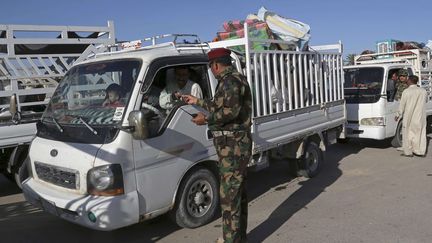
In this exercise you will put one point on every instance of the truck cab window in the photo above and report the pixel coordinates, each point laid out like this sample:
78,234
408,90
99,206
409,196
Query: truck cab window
363,85
90,95
163,98
391,84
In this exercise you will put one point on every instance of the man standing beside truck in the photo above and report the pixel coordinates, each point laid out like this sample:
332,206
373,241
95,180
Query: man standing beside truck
412,109
229,120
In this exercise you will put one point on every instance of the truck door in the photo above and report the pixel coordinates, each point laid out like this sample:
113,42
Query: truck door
174,143
392,105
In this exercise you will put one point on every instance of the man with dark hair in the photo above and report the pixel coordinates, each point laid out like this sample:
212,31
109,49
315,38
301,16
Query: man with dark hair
229,120
412,111
175,88
391,85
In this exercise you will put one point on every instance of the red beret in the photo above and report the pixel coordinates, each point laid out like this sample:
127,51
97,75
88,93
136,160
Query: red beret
218,52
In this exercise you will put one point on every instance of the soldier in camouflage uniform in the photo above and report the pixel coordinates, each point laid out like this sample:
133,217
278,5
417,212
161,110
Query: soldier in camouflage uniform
229,120
401,83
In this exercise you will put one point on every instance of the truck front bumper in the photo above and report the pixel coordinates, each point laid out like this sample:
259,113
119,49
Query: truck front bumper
95,212
359,131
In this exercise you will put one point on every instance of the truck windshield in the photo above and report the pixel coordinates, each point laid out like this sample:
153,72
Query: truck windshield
91,97
363,85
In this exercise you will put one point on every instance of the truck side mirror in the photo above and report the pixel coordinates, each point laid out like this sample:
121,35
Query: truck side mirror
139,123
16,116
13,105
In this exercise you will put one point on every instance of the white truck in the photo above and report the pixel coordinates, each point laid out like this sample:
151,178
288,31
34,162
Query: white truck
370,106
109,167
33,59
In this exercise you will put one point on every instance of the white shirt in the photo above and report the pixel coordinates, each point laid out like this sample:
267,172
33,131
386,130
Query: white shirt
165,98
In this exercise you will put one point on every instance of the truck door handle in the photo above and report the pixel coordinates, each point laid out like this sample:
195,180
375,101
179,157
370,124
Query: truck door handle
175,151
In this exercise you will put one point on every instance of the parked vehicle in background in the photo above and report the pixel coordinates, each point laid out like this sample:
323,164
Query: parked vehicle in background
109,167
33,59
370,107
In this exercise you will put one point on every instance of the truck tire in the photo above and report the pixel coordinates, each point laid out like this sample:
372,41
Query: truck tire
197,199
397,140
311,161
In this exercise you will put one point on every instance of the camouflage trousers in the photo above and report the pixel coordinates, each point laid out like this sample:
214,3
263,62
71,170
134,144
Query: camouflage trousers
234,153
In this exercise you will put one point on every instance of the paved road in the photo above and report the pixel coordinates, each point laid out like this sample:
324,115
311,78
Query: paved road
365,193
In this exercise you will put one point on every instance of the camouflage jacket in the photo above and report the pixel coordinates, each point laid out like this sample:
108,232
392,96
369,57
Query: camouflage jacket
400,87
231,107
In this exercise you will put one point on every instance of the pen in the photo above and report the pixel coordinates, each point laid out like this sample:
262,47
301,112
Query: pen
192,115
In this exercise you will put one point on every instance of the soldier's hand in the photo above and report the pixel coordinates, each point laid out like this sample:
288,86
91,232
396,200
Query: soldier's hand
396,118
199,119
189,99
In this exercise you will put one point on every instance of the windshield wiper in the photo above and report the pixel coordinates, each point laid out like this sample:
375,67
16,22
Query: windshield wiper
88,125
57,124
60,128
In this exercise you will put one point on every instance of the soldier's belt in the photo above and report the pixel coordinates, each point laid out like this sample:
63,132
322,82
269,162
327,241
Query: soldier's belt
224,133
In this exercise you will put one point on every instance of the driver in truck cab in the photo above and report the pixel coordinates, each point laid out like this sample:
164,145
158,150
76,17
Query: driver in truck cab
175,88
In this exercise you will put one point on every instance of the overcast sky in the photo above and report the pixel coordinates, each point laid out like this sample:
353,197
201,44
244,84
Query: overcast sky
358,24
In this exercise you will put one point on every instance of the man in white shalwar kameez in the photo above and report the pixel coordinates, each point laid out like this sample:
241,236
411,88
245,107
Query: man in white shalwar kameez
413,114
176,88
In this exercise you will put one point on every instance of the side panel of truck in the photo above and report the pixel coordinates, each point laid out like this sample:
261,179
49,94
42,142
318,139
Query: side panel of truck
162,161
294,126
296,94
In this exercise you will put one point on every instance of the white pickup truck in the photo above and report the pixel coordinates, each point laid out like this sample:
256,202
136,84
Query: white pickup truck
109,167
33,59
369,101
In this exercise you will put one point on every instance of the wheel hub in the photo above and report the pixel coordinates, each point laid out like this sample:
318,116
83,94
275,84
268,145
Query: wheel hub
312,159
199,198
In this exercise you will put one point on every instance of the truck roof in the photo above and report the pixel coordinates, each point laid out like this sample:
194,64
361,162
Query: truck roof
134,49
384,65
145,54
418,59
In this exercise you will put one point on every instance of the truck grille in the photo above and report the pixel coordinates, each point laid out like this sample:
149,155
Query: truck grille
57,175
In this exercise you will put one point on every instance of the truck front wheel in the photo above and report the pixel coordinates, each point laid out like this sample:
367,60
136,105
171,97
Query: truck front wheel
312,160
197,199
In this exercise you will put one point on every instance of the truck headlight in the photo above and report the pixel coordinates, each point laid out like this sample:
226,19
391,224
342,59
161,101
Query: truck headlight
373,121
106,180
